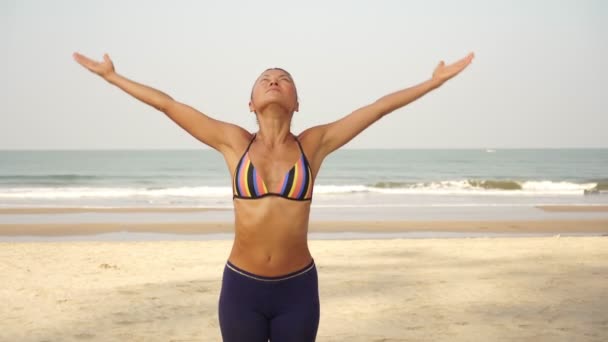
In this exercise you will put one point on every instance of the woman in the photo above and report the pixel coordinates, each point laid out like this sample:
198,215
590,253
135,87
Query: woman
269,286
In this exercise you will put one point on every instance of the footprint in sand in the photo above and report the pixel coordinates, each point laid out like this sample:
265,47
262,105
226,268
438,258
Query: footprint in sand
127,322
84,336
127,292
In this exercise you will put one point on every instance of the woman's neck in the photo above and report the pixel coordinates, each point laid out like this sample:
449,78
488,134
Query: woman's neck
275,126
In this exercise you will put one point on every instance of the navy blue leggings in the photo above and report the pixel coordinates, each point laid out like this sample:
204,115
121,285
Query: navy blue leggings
256,308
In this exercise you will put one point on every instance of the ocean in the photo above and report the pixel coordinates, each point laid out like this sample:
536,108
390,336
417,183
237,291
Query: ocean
389,182
200,178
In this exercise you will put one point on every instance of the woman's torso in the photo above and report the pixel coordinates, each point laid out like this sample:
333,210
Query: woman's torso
271,231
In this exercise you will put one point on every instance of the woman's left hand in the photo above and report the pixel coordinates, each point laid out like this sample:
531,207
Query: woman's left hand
444,72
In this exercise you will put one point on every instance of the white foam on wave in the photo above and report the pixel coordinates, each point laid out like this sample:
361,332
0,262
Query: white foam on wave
559,187
87,192
464,187
450,187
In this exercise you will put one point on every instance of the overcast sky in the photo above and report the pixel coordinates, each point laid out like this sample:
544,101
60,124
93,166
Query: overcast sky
539,78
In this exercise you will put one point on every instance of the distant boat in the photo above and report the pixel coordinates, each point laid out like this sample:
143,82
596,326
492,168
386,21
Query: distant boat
490,150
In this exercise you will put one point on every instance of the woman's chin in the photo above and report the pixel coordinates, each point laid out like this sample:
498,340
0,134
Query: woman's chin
276,107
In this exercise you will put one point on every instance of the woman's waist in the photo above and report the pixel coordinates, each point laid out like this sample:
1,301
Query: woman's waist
275,277
268,258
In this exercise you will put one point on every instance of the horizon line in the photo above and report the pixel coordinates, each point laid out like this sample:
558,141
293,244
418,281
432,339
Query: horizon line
342,149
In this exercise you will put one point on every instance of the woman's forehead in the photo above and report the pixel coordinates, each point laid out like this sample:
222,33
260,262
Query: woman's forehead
275,72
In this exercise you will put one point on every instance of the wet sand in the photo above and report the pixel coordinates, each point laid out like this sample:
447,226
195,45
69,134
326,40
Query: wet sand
77,210
599,226
575,208
117,210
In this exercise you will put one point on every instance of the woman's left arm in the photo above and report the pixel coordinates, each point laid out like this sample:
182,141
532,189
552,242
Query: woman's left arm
335,134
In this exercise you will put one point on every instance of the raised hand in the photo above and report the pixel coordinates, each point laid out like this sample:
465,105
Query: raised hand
103,69
444,72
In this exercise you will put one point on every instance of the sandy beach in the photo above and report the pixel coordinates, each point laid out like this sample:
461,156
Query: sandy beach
549,288
482,289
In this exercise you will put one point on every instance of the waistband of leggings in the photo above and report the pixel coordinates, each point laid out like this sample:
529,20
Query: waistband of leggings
305,269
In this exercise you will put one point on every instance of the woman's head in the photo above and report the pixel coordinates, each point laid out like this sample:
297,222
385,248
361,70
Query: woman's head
276,87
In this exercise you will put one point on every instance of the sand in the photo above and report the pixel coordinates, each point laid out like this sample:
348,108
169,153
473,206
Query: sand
574,208
482,289
594,226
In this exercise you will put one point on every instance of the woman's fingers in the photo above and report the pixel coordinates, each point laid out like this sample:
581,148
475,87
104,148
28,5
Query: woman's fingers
461,64
466,60
84,61
100,68
444,72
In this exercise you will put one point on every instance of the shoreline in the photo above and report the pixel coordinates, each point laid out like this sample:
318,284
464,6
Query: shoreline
128,210
113,210
402,226
574,208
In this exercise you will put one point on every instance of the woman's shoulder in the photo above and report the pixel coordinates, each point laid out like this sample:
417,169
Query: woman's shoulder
238,142
311,140
311,135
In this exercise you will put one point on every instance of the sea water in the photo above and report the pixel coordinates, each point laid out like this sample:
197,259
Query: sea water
382,183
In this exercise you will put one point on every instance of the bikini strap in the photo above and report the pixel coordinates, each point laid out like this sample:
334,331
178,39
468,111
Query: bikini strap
298,141
301,150
238,165
251,142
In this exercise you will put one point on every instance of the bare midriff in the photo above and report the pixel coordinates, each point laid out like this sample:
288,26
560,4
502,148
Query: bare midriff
270,235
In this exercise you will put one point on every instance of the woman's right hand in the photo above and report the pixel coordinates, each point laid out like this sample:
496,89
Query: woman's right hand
103,69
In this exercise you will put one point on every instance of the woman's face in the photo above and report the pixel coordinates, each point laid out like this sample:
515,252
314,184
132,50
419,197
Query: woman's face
274,86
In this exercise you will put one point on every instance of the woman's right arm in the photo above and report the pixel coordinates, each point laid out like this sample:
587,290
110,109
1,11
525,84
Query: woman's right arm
215,133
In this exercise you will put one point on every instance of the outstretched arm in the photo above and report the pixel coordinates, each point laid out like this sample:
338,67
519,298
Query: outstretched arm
334,135
212,132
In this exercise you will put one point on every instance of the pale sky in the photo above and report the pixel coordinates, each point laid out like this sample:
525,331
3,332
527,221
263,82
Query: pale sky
539,78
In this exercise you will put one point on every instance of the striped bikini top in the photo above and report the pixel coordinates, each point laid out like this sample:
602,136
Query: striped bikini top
297,183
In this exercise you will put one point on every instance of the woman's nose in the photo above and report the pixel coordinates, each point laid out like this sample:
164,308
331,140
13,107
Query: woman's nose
274,82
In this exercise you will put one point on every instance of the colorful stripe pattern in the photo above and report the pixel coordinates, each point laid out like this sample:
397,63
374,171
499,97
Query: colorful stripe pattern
297,184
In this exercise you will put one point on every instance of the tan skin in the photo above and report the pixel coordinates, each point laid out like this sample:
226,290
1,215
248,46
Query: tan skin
271,232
